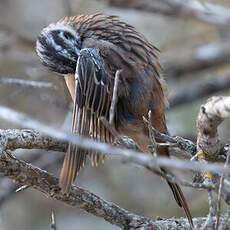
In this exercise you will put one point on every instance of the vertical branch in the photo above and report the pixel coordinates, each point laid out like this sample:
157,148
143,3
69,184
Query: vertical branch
210,223
114,98
151,134
220,192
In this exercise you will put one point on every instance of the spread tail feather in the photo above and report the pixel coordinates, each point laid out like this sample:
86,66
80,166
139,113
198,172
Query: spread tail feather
73,162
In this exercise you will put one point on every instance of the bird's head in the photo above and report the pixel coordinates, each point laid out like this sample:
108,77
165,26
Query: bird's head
58,47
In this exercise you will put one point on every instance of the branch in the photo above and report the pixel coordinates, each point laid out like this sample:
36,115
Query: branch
32,176
208,144
210,117
181,143
127,154
26,83
191,61
44,182
146,161
198,90
29,139
218,211
29,175
205,12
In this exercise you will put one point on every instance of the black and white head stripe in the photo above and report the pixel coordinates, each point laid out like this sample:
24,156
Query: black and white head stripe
58,47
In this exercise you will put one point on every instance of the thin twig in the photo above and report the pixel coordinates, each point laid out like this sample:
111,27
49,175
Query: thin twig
182,143
219,193
151,134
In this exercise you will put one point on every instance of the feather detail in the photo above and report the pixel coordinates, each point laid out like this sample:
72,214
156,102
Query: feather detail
92,101
124,36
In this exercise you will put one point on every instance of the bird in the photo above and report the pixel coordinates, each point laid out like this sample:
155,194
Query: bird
88,50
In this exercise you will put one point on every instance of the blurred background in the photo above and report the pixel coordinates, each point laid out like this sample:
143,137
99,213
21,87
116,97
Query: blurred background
191,67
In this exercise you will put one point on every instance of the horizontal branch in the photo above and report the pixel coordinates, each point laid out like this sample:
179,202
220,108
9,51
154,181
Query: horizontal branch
26,174
205,12
191,61
198,90
32,176
29,139
12,139
29,175
103,148
26,83
139,158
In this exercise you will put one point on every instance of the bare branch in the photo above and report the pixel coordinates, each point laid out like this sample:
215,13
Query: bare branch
42,181
27,174
29,139
199,89
26,83
210,116
210,222
220,192
53,190
34,140
182,143
127,154
204,12
191,61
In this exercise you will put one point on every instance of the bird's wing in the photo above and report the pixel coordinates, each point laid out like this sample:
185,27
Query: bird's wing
93,95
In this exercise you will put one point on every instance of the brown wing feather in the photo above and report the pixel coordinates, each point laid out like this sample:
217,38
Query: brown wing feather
124,36
92,100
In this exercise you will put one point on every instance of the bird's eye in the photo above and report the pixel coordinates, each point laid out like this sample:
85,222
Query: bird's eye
67,36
